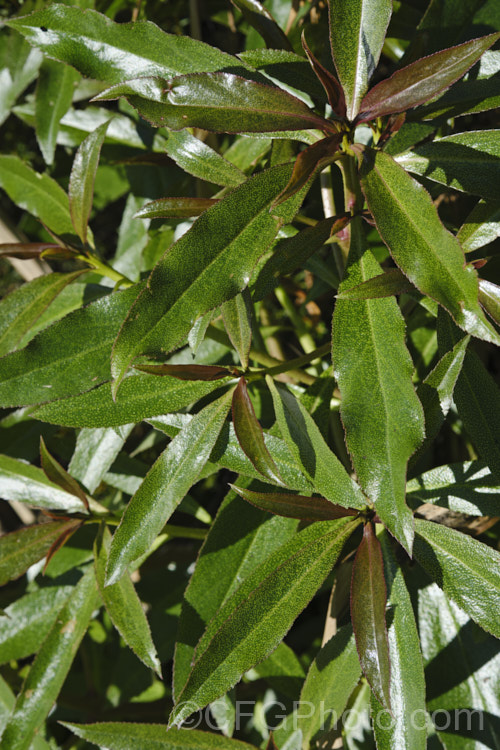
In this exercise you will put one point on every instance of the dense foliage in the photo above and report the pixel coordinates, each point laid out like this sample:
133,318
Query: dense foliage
250,431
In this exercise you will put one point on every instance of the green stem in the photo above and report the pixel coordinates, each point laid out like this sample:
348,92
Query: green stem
292,364
103,269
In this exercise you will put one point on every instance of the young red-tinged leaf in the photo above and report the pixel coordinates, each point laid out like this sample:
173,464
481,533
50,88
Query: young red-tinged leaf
81,180
262,21
271,744
28,484
332,87
176,208
294,506
25,250
57,474
420,245
368,600
423,79
467,570
481,226
166,483
53,97
357,33
123,606
59,543
309,162
187,372
51,665
125,735
20,549
386,284
237,317
250,435
255,618
489,298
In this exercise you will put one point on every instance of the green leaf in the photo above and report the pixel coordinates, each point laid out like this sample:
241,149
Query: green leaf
250,435
468,488
82,177
171,476
22,307
59,476
310,161
294,506
467,570
46,369
282,671
199,160
476,396
241,538
123,606
307,445
386,284
489,297
465,161
29,620
20,66
262,21
28,484
123,736
382,416
423,79
423,249
20,549
357,33
51,665
237,317
54,94
7,703
254,620
140,397
481,226
36,193
177,208
368,601
203,276
95,451
407,730
119,50
187,372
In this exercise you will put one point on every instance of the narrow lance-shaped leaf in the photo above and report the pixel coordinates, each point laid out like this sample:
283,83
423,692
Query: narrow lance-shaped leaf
467,570
58,475
481,226
123,606
423,249
250,435
16,76
385,284
332,87
94,453
198,159
357,33
177,208
54,94
309,162
489,297
168,481
28,484
294,506
423,79
368,600
305,441
237,317
254,620
382,416
81,180
259,17
188,372
52,663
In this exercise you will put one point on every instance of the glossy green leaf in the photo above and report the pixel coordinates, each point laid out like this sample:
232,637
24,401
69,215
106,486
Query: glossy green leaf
241,538
124,607
307,445
169,479
262,21
187,372
51,665
54,94
36,193
282,671
46,369
423,249
140,397
28,621
95,451
386,284
250,435
20,66
237,317
467,570
59,476
256,617
28,484
310,161
7,703
468,488
407,682
464,161
368,601
294,506
424,79
177,208
489,297
476,396
119,50
82,177
203,276
198,159
124,735
20,549
382,416
481,226
357,33
292,71
22,308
